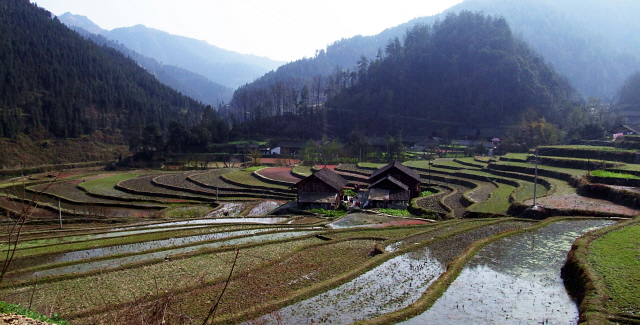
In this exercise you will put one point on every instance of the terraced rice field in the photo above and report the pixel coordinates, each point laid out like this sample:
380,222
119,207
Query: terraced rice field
282,174
170,244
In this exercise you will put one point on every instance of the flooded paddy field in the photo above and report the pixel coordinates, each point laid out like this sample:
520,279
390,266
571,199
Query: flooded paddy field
515,280
119,262
390,286
129,248
372,220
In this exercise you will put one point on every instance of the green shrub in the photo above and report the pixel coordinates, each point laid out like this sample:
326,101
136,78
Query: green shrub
349,192
7,308
427,193
396,212
329,213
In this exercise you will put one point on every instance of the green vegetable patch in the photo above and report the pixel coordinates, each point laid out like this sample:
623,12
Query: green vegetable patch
604,173
616,257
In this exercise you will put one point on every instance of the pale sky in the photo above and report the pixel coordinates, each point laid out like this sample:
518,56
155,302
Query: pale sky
284,30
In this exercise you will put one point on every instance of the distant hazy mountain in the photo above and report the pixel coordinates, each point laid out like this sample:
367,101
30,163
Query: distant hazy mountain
225,67
189,83
55,83
594,43
222,66
83,22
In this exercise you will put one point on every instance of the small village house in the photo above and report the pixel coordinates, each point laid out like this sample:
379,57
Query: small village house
625,129
321,190
393,186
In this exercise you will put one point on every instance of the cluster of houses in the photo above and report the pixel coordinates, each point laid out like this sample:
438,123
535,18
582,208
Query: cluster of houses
392,186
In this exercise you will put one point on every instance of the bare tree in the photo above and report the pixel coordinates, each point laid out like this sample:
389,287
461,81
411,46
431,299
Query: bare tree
23,211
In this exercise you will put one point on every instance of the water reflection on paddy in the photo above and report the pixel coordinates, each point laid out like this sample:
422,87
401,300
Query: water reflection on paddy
118,262
515,280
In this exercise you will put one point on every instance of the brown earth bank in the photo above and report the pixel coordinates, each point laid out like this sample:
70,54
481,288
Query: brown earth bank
15,319
27,152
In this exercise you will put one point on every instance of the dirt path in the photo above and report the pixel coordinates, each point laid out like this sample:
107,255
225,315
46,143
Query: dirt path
453,201
577,202
483,192
432,202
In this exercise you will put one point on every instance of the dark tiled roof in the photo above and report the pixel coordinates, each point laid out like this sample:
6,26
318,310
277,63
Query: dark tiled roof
630,127
408,171
329,177
392,180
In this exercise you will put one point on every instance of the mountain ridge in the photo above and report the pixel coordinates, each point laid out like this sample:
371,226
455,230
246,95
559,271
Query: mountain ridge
77,87
189,83
221,66
586,59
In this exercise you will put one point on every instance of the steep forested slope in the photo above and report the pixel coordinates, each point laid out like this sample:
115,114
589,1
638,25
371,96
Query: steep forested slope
629,94
467,70
53,82
595,43
189,83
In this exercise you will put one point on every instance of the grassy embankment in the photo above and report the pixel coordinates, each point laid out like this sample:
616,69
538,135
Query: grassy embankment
615,257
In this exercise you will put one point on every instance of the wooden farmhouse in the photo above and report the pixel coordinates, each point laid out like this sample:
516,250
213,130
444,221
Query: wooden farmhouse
393,186
322,190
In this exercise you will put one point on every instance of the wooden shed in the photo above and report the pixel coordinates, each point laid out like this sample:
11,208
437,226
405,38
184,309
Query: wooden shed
389,193
399,173
322,190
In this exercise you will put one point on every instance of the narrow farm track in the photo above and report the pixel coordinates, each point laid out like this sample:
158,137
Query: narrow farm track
482,193
454,201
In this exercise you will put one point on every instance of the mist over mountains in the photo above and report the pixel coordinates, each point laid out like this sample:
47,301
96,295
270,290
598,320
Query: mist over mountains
221,66
594,43
187,82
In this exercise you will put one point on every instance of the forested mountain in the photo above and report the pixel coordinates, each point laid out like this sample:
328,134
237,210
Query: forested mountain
629,94
189,83
221,66
595,43
81,22
53,82
466,70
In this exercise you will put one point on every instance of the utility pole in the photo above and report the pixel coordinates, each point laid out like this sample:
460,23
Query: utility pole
59,213
535,181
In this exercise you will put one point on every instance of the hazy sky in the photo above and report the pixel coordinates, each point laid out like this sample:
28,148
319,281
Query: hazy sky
284,30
